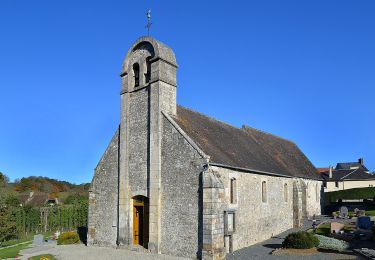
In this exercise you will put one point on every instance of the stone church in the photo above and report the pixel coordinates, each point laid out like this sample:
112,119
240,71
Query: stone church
177,182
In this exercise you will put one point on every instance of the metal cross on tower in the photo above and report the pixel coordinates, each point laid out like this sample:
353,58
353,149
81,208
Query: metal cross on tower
148,26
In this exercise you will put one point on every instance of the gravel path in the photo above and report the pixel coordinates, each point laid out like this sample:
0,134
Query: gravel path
81,252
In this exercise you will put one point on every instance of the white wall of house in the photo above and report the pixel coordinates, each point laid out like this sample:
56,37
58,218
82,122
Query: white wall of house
344,185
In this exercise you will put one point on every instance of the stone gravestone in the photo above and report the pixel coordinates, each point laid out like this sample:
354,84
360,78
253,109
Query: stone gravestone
336,227
38,239
364,222
344,212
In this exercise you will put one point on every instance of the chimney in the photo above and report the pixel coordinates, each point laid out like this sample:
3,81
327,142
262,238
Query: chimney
360,161
330,172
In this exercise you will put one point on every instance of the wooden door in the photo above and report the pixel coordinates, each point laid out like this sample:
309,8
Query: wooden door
138,215
140,221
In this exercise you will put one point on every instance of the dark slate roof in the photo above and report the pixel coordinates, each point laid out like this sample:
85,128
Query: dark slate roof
245,147
348,165
354,174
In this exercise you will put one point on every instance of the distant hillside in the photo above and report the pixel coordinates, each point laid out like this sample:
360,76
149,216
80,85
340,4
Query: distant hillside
48,185
37,190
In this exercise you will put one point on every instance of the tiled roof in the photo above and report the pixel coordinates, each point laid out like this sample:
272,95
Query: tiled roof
349,165
245,147
322,169
354,174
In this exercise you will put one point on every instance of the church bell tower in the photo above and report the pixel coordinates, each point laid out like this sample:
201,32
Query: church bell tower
148,88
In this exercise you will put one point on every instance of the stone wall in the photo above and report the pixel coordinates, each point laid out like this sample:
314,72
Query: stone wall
138,141
180,195
256,220
103,198
314,198
213,216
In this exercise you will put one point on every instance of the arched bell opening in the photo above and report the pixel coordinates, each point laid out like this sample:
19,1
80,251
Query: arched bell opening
140,220
136,74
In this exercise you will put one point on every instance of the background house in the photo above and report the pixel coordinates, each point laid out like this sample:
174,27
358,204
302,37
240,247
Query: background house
347,175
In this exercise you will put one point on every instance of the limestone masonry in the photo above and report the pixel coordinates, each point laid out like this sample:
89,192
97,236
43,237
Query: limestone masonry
177,182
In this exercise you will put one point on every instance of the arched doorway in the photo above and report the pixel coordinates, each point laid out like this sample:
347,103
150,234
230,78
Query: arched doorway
140,220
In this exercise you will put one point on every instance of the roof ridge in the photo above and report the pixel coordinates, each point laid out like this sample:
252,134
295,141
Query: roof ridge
349,162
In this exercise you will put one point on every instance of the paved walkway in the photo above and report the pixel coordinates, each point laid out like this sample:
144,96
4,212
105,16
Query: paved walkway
264,249
82,252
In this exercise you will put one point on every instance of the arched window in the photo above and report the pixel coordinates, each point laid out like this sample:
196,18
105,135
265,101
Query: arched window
233,191
264,191
136,74
285,192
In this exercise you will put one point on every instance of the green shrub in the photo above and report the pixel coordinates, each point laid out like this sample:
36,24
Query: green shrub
332,243
300,240
76,199
68,238
350,194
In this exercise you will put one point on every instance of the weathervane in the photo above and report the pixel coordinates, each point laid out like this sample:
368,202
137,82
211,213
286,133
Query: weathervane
148,26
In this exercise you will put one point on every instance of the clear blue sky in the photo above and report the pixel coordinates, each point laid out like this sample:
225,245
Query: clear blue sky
304,70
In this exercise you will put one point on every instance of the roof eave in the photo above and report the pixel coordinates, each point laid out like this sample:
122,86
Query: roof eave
258,171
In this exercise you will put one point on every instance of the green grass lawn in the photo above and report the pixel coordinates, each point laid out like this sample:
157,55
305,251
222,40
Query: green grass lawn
370,212
15,241
42,257
323,229
12,252
29,237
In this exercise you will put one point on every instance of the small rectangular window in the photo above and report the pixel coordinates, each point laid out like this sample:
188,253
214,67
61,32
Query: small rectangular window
336,184
285,192
264,192
233,191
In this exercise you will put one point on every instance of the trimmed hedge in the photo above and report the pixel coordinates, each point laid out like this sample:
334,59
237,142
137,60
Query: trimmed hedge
350,194
300,240
68,238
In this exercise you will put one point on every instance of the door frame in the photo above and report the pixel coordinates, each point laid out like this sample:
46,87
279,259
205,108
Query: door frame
140,203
